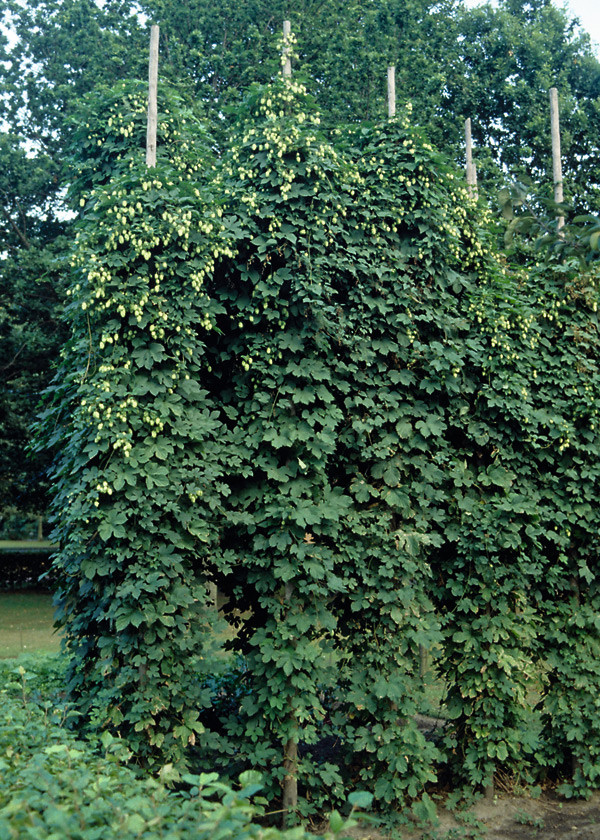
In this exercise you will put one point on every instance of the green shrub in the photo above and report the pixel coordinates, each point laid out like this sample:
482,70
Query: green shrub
56,786
137,430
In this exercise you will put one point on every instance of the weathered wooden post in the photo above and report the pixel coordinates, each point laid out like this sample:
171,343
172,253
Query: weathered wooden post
151,162
556,162
470,167
391,91
287,64
152,98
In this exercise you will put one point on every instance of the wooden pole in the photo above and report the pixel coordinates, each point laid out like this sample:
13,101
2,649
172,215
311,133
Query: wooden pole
152,98
556,162
287,65
391,91
290,780
471,170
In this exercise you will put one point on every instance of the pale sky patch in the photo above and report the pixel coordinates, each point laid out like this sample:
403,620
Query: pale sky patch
588,12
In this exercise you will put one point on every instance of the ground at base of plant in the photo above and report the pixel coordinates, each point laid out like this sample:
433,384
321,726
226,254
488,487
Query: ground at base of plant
507,818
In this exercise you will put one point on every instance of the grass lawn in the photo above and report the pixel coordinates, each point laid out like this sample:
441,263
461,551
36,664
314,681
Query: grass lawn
26,624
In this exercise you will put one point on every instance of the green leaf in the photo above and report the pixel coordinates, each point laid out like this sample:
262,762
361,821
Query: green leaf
336,822
360,799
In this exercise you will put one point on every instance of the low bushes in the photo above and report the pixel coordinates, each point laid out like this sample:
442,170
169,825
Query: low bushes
55,785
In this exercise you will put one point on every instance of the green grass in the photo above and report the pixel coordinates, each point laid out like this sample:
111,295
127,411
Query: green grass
26,624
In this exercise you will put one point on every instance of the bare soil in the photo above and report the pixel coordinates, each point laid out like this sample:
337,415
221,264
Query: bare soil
546,818
511,818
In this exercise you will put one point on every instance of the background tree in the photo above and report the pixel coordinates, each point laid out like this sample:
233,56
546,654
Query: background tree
506,60
30,328
492,64
342,49
59,50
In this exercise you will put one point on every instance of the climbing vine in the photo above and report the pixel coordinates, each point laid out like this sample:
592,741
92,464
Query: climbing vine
136,431
298,371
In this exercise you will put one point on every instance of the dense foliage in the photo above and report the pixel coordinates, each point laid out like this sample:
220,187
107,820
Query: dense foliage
54,784
297,371
30,322
491,64
523,540
135,427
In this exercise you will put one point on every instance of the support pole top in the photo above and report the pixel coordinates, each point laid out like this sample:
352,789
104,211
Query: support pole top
391,91
556,156
152,98
287,64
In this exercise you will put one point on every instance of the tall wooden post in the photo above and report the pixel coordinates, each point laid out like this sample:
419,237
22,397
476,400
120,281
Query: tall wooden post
152,98
391,91
151,162
470,168
287,65
556,162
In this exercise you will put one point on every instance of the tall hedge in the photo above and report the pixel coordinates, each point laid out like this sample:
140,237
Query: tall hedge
298,371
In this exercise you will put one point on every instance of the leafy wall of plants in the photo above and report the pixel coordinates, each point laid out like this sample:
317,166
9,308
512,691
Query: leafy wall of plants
298,371
136,431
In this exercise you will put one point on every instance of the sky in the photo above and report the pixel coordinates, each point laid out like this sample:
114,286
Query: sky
588,12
